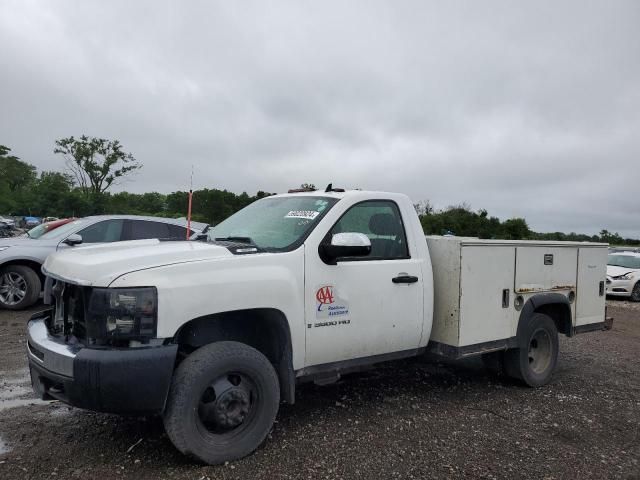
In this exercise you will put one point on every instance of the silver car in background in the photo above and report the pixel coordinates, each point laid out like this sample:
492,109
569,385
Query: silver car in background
21,257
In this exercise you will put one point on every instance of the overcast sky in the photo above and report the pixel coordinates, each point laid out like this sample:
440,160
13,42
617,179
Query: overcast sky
525,109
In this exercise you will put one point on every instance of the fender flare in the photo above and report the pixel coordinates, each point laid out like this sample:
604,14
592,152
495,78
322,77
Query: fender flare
211,329
534,303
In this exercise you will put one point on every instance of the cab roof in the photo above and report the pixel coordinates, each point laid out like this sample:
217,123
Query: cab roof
344,194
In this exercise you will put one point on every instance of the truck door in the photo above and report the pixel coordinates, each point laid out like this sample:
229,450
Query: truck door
367,305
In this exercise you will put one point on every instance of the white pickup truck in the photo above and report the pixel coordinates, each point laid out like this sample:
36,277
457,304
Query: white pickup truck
298,287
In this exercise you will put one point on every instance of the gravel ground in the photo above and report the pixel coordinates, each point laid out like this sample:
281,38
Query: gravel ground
408,419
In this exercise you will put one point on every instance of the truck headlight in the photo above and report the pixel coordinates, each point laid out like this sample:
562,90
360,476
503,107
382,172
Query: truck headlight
123,313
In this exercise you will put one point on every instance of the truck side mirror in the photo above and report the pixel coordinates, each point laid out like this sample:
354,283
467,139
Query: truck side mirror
73,239
347,244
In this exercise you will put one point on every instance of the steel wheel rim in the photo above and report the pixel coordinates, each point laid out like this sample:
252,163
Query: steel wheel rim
227,406
13,288
539,352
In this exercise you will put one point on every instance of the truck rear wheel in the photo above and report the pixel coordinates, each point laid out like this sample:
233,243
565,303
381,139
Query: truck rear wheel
222,402
535,361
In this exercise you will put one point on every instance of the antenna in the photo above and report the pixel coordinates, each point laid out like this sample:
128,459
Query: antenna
331,189
190,202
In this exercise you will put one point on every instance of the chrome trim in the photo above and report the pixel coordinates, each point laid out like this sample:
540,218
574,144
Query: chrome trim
58,356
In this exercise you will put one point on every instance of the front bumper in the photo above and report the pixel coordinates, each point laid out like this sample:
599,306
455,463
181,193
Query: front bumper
622,288
125,381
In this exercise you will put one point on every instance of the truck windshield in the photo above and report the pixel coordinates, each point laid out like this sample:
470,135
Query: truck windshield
625,261
274,223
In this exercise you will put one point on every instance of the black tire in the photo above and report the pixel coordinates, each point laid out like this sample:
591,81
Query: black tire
27,279
635,293
535,361
193,396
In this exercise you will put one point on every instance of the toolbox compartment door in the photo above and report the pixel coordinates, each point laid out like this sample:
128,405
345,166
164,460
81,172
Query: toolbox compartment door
590,297
544,269
486,297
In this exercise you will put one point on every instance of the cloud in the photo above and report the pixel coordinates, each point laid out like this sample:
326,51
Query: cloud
526,110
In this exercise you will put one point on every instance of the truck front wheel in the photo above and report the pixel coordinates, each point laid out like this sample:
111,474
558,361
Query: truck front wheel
535,361
222,402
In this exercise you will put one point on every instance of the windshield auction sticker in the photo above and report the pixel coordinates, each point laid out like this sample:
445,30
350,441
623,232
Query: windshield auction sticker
307,214
331,310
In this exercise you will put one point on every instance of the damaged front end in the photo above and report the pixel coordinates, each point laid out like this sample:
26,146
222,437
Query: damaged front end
96,348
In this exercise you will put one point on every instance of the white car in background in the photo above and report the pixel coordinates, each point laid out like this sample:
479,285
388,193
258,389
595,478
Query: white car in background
623,275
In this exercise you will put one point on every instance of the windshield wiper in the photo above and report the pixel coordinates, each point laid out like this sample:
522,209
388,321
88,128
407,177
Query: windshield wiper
246,240
251,245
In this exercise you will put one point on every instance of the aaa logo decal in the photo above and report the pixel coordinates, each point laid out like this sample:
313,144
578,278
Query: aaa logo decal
329,304
324,295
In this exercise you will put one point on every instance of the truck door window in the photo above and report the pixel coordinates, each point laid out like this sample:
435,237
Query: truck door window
379,220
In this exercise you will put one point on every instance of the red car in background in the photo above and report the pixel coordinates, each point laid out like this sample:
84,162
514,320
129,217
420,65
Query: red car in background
43,228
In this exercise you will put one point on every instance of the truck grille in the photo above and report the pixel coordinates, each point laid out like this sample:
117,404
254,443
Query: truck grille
69,312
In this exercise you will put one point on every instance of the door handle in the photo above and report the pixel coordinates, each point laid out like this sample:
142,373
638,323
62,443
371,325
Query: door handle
404,279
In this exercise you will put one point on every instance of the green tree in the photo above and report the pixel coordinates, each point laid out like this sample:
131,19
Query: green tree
611,238
515,229
50,194
96,163
464,222
14,173
16,178
152,203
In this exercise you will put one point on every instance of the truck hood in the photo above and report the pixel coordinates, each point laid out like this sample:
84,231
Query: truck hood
101,264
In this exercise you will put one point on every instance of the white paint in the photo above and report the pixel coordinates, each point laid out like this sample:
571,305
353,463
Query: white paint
196,279
384,317
531,271
470,276
350,239
485,273
592,269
